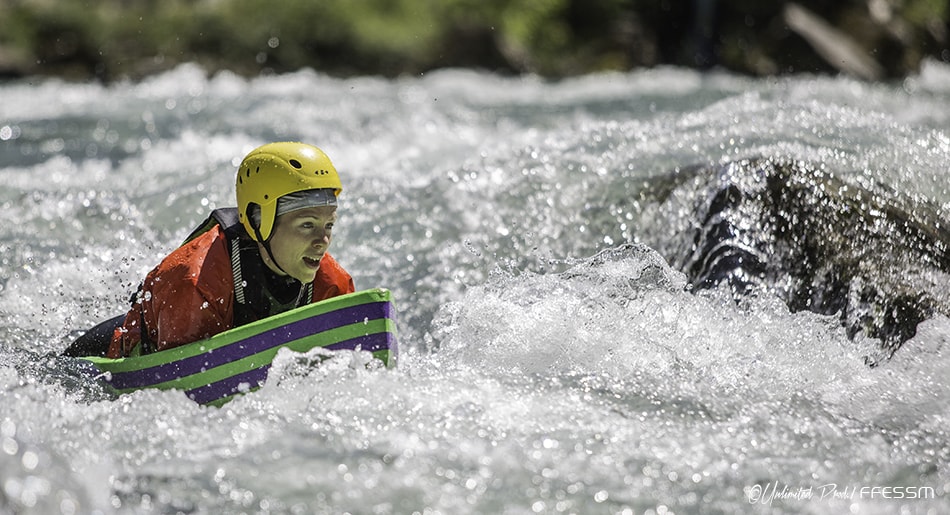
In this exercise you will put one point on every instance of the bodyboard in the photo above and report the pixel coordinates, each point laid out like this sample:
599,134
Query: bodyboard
214,370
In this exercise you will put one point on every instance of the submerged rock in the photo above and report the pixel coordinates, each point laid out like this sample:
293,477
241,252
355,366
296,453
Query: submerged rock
878,260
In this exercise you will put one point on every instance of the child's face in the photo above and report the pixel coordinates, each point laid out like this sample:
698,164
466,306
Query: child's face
299,241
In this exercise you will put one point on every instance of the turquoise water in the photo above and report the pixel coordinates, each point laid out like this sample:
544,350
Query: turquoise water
533,379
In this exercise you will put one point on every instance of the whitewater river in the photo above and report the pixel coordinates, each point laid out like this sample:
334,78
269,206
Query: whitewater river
532,379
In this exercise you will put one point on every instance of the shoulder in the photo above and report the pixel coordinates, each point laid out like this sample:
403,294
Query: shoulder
332,277
197,260
330,263
331,268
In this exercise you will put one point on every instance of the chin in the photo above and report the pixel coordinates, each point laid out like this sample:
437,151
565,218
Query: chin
306,278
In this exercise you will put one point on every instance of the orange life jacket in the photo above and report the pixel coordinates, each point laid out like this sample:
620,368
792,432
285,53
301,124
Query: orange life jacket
215,281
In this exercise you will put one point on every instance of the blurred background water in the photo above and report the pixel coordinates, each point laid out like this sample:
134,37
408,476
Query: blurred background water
533,379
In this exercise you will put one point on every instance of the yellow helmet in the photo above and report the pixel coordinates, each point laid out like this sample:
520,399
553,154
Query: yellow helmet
274,170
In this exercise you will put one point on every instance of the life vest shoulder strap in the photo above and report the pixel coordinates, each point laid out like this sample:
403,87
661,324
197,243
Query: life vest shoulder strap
226,217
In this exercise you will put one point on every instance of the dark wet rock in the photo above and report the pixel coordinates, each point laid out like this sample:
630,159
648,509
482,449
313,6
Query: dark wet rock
878,260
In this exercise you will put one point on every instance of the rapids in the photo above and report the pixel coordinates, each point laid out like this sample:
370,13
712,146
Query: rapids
552,361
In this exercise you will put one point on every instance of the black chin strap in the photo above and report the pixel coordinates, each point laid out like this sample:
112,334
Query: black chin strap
266,244
270,255
306,290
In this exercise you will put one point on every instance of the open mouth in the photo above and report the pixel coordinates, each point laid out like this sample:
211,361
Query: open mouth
311,262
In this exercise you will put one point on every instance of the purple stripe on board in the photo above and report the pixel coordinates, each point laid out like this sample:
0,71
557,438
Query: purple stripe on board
229,386
256,377
369,342
250,346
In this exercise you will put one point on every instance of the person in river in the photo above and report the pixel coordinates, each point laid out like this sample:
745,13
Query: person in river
266,256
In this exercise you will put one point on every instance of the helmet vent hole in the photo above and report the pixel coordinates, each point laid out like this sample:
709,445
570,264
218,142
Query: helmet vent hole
266,197
296,164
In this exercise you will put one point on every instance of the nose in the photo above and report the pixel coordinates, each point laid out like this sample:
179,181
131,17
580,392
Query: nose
321,239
